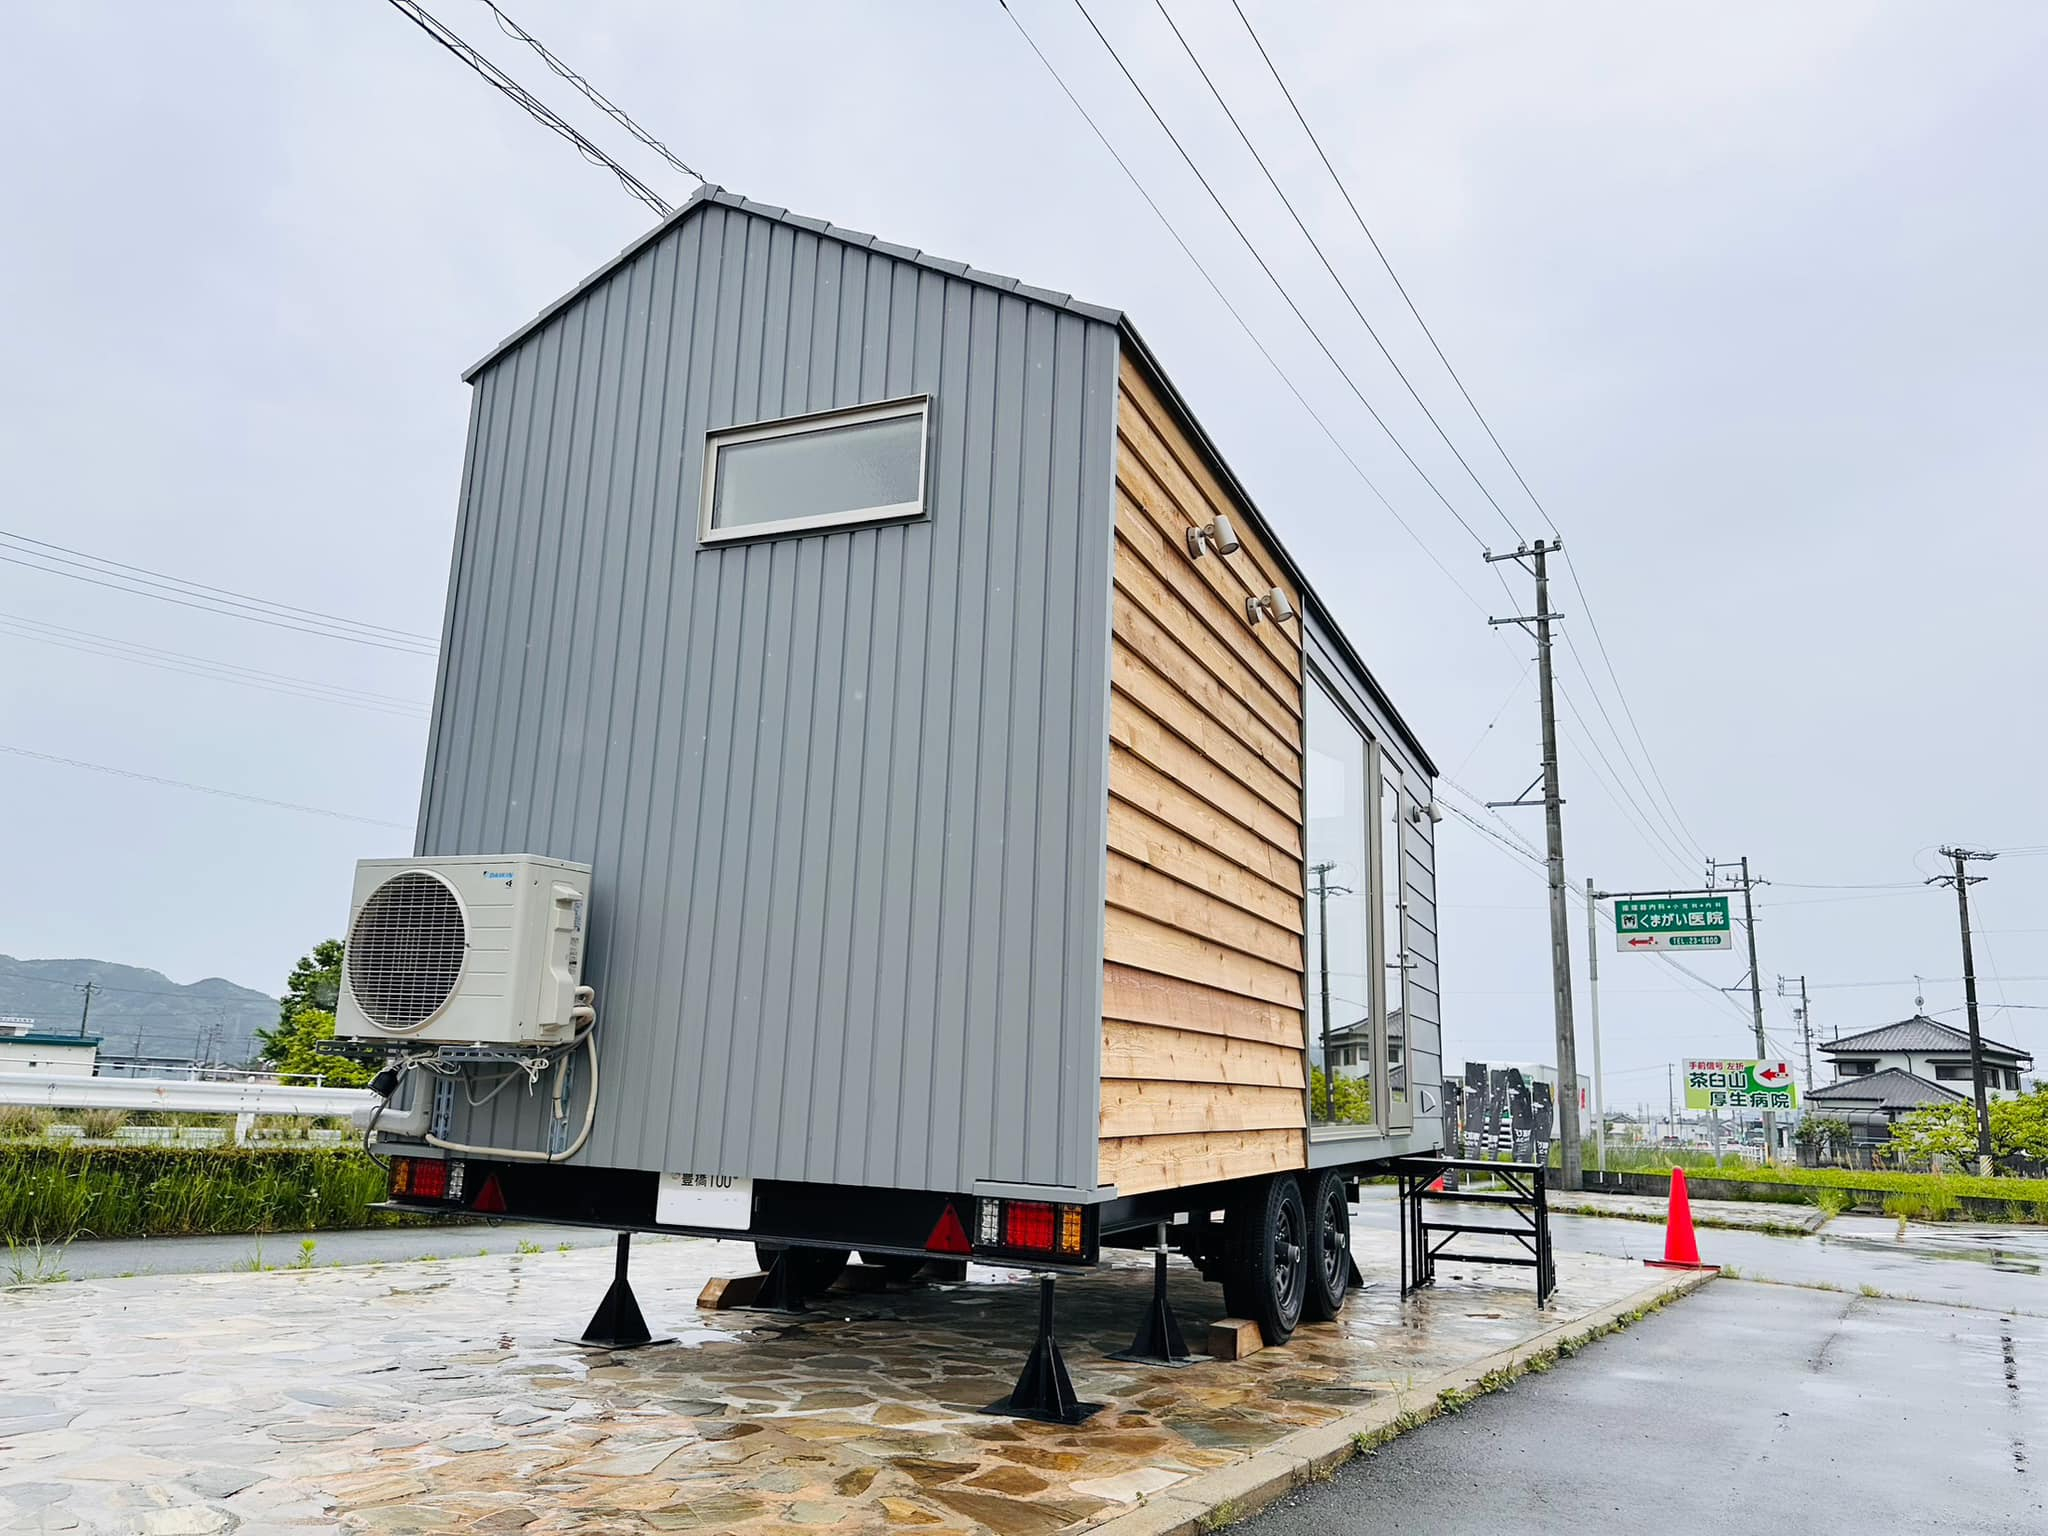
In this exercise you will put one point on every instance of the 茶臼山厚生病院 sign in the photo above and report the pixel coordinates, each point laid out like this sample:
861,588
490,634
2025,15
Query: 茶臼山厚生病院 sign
1740,1085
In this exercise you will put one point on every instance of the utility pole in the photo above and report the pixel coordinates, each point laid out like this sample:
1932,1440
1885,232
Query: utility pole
1805,1022
1533,558
1756,992
1670,1105
88,987
1962,880
1323,892
1593,998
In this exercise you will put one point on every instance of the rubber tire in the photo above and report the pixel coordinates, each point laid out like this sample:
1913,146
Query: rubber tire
1267,1217
896,1268
816,1268
1329,1241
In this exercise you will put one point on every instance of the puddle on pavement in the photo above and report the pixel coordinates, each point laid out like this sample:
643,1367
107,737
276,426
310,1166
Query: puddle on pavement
2005,1260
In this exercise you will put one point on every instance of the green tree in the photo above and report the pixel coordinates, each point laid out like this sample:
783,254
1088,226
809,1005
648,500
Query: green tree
2019,1128
302,1047
1826,1134
1352,1102
305,1022
315,982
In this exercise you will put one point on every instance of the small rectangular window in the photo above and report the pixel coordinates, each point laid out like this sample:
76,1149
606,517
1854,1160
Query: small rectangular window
830,470
1954,1071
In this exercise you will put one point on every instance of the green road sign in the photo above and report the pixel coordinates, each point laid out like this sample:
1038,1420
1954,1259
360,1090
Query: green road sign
1672,922
1740,1085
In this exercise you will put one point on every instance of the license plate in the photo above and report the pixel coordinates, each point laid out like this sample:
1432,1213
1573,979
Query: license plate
704,1200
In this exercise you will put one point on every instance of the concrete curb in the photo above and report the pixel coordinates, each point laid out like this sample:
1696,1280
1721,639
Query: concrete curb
1216,1499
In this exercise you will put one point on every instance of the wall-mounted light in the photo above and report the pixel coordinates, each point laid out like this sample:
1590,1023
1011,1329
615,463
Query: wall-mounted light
1271,606
1219,536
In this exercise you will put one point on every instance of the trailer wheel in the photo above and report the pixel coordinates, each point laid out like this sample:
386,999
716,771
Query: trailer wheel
816,1268
1267,1257
1329,1277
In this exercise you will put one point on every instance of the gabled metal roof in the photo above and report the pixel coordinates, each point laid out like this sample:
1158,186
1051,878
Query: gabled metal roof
1917,1034
960,269
711,194
1889,1089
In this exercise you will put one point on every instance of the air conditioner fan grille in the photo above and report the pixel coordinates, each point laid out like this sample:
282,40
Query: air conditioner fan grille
405,950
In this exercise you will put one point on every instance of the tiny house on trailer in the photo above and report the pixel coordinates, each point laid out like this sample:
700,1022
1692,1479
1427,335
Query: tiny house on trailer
948,823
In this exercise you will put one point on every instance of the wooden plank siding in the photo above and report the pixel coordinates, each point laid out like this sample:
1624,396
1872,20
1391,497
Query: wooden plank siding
1203,1066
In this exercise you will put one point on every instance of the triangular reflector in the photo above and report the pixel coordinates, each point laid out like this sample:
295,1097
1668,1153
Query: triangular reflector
948,1236
490,1199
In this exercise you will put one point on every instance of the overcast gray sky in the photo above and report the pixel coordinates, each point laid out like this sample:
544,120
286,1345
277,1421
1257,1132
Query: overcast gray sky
1751,292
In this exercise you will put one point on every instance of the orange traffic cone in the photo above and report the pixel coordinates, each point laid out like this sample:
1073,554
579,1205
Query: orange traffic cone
1681,1248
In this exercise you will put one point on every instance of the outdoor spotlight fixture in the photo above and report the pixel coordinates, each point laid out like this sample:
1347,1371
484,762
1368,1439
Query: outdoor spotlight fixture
1272,606
1219,536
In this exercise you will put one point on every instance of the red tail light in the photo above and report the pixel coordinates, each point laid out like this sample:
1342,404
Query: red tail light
1031,1227
426,1178
1030,1224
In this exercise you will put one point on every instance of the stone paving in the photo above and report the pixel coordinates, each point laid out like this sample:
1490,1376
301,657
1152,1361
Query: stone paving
431,1396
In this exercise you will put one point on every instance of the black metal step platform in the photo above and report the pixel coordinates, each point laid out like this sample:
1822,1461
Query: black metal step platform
1425,1239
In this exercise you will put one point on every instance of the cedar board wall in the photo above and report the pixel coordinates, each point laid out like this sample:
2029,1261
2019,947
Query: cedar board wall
1202,1033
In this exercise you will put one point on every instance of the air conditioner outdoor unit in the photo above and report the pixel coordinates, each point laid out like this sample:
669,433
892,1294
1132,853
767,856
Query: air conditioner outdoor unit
464,951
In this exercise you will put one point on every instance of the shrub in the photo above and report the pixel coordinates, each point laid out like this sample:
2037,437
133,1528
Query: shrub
20,1120
54,1193
98,1124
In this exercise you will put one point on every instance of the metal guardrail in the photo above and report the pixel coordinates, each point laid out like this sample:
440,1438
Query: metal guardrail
58,1090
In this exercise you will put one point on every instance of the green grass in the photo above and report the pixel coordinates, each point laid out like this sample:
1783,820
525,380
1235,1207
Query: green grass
52,1194
1624,1158
1916,1196
34,1263
2028,1192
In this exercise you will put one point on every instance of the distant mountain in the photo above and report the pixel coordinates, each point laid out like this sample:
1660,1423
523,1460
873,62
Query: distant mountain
137,1011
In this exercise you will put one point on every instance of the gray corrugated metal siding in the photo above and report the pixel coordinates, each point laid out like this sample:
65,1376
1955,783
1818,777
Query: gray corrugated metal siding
843,794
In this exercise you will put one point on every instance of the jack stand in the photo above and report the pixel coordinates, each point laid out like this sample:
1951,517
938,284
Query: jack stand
1159,1340
617,1323
782,1290
1044,1390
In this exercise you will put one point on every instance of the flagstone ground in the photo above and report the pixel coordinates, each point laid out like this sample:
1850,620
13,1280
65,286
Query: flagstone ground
434,1396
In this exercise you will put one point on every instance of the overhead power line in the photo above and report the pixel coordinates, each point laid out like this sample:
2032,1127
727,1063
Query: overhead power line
1235,314
1300,315
590,92
1342,287
68,556
202,789
96,571
526,101
1571,569
1273,278
87,643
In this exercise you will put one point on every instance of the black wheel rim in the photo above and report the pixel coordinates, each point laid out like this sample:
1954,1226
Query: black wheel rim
1290,1251
1336,1247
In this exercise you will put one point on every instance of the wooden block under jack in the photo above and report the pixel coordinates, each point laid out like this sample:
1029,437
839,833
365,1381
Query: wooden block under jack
1232,1338
722,1293
863,1279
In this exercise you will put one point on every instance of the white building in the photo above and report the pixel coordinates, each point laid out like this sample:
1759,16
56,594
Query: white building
71,1055
1932,1052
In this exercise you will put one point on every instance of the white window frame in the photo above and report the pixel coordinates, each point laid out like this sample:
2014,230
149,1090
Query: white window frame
918,406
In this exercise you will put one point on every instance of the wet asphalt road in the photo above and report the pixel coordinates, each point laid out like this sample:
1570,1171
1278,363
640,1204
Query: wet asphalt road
1745,1408
1964,1264
1749,1407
